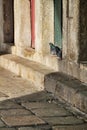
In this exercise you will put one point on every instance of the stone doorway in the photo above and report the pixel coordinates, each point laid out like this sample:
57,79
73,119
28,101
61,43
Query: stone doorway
6,26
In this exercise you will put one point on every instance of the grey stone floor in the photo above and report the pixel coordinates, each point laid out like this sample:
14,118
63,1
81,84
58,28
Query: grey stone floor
38,111
23,107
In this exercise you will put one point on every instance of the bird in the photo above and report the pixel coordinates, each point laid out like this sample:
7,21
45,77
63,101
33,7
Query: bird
55,50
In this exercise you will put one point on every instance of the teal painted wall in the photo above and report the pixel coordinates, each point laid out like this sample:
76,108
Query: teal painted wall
58,23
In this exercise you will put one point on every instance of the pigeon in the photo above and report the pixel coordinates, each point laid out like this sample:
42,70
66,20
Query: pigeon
55,50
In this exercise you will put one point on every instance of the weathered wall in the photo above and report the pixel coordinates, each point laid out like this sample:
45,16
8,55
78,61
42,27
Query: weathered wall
70,30
47,24
64,29
1,22
44,33
44,25
83,30
22,23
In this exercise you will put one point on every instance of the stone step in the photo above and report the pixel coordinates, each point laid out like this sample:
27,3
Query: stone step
68,89
30,70
12,86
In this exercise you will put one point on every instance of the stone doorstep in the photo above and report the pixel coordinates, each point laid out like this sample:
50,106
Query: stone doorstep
27,69
68,89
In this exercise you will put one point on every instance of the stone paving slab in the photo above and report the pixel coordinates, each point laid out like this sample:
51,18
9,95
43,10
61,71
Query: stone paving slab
1,123
70,120
39,105
45,127
3,95
73,127
22,120
14,86
8,129
35,97
14,112
7,104
48,112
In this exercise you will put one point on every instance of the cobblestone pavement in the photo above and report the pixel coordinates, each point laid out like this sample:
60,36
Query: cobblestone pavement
38,111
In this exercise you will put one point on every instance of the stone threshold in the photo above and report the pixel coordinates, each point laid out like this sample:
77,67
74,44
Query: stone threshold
27,69
67,88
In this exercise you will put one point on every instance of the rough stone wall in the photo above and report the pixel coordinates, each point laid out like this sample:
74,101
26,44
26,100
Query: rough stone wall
83,30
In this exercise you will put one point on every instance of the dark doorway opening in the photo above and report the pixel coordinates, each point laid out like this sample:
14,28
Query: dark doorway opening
8,24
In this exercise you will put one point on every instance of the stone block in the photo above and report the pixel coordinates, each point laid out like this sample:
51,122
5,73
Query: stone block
30,70
35,97
72,91
22,120
71,127
52,79
80,101
49,112
1,124
41,127
14,112
7,129
8,105
39,105
69,120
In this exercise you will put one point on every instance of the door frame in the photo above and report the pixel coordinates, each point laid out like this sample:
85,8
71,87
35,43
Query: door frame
32,6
